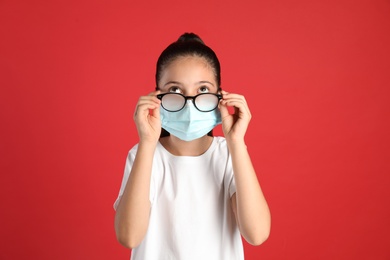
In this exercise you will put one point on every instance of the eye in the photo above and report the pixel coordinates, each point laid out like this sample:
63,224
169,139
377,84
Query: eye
203,89
175,89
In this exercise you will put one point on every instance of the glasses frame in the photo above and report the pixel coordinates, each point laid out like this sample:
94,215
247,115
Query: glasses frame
193,98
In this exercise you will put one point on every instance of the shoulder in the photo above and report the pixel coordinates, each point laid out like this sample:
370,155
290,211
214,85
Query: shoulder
220,143
159,153
220,149
220,140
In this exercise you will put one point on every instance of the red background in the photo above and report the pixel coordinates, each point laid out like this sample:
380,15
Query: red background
316,77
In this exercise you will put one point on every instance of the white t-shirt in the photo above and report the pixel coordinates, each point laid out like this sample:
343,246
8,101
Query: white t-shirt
191,215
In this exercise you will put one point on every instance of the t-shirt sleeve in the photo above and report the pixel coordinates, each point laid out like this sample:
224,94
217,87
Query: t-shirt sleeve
129,164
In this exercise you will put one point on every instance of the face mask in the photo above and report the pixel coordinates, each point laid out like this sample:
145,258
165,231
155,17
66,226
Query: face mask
189,123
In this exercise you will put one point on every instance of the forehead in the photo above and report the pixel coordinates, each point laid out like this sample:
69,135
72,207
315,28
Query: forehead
185,66
190,60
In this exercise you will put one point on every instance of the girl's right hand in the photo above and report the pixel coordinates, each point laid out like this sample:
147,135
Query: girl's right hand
147,117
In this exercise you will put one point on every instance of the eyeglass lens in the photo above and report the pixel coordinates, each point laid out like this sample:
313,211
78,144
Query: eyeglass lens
173,102
203,102
206,102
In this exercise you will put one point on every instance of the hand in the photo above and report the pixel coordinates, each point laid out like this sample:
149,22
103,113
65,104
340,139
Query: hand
234,125
147,117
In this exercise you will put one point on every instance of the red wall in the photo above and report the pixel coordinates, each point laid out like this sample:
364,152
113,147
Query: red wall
316,77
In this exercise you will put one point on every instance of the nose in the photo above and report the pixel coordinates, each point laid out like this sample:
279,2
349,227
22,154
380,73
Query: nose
189,101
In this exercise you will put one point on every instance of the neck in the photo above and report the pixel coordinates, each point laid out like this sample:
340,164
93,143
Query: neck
179,147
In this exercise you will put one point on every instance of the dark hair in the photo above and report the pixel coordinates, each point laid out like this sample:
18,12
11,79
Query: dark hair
188,44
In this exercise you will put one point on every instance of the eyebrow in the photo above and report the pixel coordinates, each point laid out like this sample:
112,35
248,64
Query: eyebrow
178,83
207,82
172,82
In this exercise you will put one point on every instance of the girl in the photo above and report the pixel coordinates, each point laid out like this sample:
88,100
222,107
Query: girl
186,194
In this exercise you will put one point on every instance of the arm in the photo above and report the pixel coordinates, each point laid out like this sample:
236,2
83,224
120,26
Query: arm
248,203
132,213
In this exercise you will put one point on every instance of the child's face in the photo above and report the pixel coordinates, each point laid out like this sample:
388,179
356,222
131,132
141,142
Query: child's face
189,76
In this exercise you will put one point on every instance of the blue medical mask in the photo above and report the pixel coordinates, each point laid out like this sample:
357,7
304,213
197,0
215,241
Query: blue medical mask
189,123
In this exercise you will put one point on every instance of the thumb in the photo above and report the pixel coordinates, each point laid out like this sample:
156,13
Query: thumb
224,110
156,112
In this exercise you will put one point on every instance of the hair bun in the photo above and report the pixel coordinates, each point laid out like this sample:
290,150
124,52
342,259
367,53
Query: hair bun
190,37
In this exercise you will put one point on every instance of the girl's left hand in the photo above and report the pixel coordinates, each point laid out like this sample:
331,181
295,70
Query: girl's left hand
234,125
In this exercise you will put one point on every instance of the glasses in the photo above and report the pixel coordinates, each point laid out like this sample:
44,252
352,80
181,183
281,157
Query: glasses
204,102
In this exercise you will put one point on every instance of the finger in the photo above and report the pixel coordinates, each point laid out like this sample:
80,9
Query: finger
239,106
151,97
156,112
147,105
229,96
223,109
148,100
144,106
231,99
154,93
234,102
